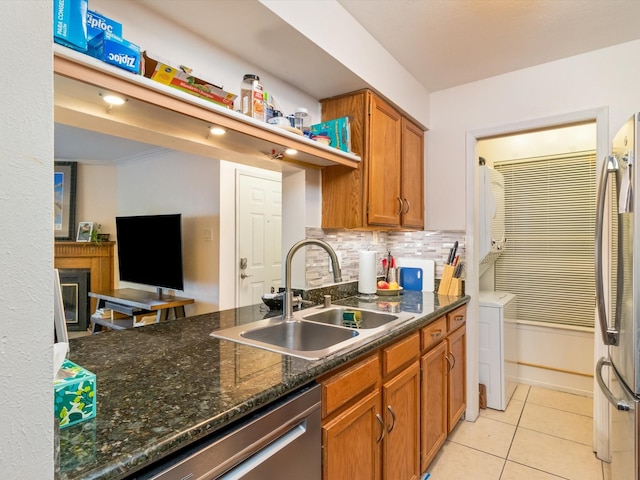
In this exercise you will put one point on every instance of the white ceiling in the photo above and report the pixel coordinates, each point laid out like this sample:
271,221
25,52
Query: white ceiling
442,43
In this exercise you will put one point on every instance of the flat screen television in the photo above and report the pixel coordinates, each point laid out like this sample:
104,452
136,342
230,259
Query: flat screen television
150,250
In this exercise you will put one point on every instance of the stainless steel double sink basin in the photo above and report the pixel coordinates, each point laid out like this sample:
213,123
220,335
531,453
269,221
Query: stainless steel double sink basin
313,333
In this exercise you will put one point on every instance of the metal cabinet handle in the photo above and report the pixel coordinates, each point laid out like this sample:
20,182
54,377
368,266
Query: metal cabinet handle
454,361
619,404
610,335
458,318
408,206
393,419
244,275
401,206
437,333
446,357
382,429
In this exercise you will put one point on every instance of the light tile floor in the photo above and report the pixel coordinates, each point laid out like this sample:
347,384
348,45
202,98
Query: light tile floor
543,435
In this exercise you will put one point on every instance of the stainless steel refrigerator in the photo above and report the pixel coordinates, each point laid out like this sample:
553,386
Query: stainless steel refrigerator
618,258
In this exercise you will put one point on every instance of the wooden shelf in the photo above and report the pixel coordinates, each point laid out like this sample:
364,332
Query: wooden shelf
164,116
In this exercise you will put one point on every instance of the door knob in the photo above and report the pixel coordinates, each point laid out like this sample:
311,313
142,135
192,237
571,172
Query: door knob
244,275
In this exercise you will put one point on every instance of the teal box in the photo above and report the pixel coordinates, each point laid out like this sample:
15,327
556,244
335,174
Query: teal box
115,50
97,23
70,23
74,391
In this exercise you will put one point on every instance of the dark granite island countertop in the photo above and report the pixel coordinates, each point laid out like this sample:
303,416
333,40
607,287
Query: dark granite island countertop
162,387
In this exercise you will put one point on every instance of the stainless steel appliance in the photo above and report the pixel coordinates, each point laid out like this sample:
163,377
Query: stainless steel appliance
282,442
621,331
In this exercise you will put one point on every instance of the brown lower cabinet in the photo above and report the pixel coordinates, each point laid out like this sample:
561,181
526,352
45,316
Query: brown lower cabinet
443,385
385,417
375,434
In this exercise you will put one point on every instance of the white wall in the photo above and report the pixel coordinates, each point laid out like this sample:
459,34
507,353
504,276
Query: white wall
176,182
26,243
96,195
576,138
179,45
601,78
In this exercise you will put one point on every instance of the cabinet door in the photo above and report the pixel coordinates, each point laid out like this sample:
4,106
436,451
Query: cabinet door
457,375
401,446
434,405
351,442
383,195
412,175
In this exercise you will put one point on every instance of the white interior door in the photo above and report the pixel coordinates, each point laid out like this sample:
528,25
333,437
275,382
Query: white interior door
259,260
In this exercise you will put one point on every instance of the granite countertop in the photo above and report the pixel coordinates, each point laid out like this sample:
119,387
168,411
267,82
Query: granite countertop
163,386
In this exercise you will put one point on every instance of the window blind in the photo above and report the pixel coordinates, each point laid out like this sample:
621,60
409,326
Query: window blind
550,209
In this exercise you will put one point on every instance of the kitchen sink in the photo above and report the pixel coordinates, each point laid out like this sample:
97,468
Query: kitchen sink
351,318
297,335
313,334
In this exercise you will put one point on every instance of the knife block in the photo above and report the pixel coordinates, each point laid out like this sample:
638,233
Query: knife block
450,286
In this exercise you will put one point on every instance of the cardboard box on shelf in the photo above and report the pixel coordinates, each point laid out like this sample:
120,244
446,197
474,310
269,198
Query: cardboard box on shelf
74,394
70,23
184,79
115,50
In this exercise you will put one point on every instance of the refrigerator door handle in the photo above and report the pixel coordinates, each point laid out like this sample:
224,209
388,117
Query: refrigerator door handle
610,336
619,404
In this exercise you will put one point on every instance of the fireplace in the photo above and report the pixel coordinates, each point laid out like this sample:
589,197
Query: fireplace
97,258
75,297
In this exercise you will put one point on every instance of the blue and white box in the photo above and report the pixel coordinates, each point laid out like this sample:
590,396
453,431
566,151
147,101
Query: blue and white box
97,23
115,50
70,23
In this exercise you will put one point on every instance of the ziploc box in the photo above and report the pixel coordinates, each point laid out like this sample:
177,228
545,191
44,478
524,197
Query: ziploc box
70,23
97,23
115,50
74,392
184,79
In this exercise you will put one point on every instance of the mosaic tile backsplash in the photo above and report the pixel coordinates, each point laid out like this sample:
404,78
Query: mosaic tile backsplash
430,245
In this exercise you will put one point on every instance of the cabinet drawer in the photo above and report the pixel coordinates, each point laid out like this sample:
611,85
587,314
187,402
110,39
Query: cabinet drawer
400,353
433,333
456,318
342,387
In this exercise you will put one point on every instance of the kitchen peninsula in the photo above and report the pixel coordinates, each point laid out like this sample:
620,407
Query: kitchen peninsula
165,386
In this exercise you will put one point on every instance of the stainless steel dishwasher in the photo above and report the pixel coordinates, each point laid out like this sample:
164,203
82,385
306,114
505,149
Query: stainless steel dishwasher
283,441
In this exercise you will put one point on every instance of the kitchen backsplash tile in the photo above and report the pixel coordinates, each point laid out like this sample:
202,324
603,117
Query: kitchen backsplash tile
430,245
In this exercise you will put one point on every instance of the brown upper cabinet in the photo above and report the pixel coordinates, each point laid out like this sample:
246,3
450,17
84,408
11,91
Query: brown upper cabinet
386,190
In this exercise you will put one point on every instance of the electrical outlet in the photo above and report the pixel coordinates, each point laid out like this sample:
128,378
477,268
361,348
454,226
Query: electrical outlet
208,234
374,239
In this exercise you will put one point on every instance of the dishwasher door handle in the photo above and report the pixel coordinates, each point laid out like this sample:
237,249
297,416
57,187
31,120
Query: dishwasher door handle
251,463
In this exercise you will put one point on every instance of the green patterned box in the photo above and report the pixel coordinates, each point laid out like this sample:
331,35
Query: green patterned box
74,394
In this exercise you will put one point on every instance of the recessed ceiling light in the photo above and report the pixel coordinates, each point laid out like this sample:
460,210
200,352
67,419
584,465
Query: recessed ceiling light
291,151
217,131
113,99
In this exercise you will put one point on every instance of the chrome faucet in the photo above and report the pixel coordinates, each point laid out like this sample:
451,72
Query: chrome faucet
287,312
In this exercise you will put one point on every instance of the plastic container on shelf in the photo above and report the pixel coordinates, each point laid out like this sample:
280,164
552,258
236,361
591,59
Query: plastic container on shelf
302,119
252,97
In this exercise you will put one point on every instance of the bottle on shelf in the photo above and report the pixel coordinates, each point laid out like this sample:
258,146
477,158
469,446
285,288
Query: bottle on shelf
252,97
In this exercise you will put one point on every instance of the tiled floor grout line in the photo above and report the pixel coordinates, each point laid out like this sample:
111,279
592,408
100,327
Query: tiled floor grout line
515,431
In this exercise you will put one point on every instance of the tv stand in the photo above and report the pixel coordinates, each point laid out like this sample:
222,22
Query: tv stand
132,302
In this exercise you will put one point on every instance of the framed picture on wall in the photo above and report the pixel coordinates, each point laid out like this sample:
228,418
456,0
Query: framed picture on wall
84,231
64,200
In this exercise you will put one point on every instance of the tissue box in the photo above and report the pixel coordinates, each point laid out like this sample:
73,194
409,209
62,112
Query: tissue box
115,50
74,394
97,23
70,23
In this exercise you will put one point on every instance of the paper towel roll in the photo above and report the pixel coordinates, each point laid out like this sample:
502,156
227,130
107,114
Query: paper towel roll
367,272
